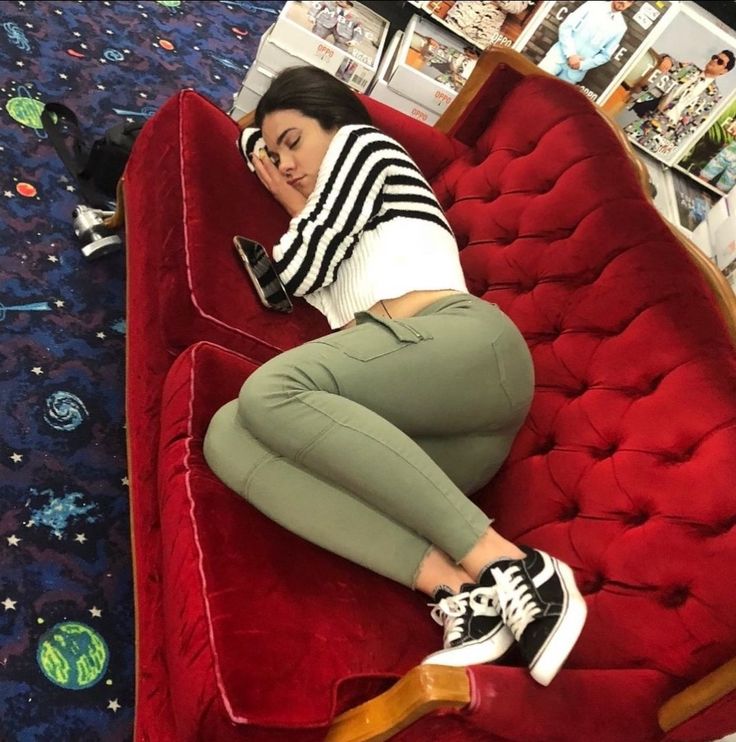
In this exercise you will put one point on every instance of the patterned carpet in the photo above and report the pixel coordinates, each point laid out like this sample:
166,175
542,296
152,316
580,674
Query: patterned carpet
66,602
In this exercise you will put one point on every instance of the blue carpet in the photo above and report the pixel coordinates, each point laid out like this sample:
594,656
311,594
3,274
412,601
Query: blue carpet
66,599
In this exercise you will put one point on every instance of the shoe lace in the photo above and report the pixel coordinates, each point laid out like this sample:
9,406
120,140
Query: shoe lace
451,613
482,601
513,600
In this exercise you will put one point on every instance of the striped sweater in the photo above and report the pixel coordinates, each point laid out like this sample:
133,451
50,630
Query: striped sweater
372,229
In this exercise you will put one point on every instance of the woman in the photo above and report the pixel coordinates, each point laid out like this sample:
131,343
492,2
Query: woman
367,441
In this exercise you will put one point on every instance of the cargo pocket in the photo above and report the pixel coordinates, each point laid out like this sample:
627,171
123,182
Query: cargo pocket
376,337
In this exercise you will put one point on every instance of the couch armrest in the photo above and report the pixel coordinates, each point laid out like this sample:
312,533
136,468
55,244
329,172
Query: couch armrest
187,193
698,696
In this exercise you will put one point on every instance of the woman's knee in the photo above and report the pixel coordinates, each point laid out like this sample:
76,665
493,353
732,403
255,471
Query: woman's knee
257,395
267,391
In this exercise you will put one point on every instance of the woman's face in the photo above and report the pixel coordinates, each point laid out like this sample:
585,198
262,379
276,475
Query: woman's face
297,145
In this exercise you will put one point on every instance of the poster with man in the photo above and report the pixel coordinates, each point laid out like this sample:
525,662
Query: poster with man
689,75
712,159
589,43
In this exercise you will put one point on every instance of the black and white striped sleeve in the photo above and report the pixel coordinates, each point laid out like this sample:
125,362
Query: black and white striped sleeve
250,141
350,197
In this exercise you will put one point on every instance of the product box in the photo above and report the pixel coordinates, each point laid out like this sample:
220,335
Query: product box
693,203
485,24
256,81
344,38
246,102
255,84
684,204
724,242
381,91
431,66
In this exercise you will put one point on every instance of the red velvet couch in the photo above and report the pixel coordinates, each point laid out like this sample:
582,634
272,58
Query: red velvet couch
625,467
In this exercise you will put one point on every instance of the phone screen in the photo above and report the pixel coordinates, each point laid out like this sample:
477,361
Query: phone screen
263,275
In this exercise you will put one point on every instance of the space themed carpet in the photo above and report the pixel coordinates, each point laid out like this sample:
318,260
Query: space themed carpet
66,598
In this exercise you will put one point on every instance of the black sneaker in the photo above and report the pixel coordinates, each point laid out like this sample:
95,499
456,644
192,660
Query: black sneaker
473,631
537,598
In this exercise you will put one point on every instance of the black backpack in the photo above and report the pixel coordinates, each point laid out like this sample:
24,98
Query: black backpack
96,167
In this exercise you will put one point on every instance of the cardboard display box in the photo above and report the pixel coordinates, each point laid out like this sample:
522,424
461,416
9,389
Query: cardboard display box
345,39
255,84
385,94
431,66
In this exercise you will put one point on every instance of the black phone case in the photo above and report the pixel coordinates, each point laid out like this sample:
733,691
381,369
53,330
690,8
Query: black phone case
258,266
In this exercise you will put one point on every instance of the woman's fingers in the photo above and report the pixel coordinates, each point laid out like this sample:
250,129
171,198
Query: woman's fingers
262,172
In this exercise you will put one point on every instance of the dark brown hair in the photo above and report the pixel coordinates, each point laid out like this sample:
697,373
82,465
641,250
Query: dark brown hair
314,93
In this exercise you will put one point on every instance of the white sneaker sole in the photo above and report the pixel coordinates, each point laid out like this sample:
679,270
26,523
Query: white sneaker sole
487,649
560,642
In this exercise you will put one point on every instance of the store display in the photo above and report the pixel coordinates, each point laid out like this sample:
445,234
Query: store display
590,43
382,92
691,72
431,66
664,71
344,38
485,24
712,159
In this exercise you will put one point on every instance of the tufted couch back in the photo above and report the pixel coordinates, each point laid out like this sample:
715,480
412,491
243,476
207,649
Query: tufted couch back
624,467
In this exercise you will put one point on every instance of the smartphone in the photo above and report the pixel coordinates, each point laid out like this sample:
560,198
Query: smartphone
266,281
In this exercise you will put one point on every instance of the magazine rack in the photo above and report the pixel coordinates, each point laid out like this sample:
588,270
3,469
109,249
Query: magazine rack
624,468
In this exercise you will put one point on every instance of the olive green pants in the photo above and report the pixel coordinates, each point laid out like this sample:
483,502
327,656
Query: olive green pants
367,441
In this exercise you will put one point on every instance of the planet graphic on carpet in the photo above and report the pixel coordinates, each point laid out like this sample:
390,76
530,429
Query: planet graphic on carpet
26,110
72,655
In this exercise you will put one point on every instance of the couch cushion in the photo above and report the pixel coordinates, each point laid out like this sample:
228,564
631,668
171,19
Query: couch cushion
261,627
624,467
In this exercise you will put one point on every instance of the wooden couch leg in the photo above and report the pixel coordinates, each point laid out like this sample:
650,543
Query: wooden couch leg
422,690
117,220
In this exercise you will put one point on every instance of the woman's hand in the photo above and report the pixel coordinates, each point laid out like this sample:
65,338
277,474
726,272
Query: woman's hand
276,184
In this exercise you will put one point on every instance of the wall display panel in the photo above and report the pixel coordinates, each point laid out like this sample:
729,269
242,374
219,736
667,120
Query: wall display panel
712,158
687,72
590,43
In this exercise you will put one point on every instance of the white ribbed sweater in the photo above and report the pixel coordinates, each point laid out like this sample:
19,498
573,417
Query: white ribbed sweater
372,229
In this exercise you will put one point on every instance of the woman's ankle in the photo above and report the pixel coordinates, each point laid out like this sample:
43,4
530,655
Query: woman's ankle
438,570
490,547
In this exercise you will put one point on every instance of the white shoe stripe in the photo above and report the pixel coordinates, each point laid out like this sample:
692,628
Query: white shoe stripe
548,570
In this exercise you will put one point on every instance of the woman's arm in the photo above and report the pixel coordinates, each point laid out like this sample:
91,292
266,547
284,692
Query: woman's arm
363,170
